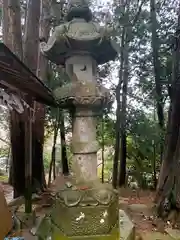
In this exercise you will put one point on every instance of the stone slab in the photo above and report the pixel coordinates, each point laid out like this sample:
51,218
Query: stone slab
137,207
123,201
127,229
26,220
113,236
174,233
28,236
6,217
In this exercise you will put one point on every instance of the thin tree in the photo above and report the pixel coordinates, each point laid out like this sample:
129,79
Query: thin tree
118,114
53,153
102,152
126,28
64,158
12,37
123,147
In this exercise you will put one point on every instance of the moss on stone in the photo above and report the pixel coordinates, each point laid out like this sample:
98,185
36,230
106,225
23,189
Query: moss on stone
82,90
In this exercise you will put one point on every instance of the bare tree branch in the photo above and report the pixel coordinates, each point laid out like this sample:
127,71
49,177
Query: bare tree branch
138,13
3,140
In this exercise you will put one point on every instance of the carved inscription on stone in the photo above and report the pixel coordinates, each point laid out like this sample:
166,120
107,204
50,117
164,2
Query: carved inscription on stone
83,130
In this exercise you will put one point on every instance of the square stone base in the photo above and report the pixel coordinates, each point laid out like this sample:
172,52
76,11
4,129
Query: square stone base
57,235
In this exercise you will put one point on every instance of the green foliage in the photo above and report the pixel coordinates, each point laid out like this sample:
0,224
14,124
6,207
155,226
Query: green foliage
106,127
4,152
143,132
46,160
56,77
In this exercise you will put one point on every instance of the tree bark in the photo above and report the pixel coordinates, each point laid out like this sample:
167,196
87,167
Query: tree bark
123,152
39,109
12,37
168,191
53,153
17,169
64,158
154,167
123,148
31,38
154,156
31,59
157,70
15,27
53,157
118,114
6,24
103,160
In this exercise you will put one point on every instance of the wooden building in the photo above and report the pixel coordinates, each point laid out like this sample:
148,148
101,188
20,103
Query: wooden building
19,87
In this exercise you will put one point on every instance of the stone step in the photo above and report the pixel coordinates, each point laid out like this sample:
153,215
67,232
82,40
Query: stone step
138,207
174,233
127,229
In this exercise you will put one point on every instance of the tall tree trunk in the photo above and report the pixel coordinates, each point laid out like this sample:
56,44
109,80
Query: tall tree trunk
154,155
154,167
53,157
118,114
6,24
168,190
42,71
53,153
31,38
103,160
15,27
31,59
157,70
12,37
64,158
123,148
17,168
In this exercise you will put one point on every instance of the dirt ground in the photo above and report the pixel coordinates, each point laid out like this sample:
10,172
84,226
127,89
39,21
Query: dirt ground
144,217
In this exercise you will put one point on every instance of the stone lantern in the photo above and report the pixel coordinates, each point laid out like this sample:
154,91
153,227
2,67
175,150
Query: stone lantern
90,210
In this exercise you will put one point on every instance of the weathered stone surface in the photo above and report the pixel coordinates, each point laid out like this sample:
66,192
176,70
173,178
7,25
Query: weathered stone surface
6,217
123,203
80,34
25,219
20,200
127,229
83,90
27,235
123,200
80,8
174,233
89,214
84,134
155,236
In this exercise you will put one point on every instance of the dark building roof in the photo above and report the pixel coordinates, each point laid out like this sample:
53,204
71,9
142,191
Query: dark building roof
15,74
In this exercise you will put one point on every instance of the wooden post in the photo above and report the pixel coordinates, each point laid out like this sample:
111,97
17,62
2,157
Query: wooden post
28,161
